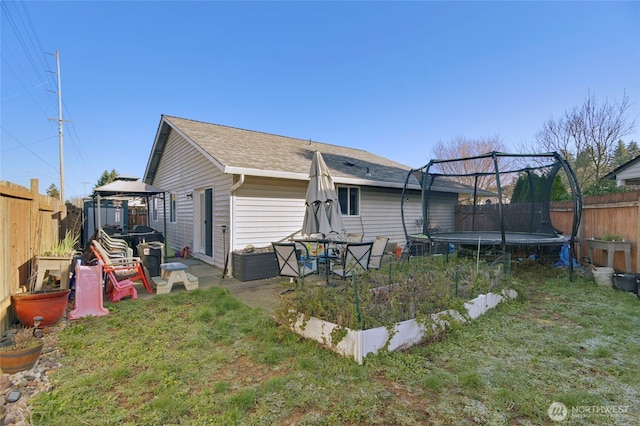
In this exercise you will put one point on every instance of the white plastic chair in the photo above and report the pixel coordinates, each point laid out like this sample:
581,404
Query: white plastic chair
377,252
355,238
115,246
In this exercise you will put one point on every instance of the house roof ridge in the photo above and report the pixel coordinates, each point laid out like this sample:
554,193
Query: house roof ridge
232,150
264,133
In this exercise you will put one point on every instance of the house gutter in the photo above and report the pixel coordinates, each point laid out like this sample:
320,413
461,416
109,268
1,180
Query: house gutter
305,177
232,228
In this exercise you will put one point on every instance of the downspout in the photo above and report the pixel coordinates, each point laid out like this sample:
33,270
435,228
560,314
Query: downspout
232,228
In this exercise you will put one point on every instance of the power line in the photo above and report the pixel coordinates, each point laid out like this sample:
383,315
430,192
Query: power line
27,148
21,25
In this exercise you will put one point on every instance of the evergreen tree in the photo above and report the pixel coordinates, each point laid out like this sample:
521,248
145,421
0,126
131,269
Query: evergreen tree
522,189
633,149
558,190
624,153
53,191
620,155
106,178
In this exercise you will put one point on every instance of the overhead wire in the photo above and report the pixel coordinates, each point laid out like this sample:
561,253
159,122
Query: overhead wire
27,43
22,26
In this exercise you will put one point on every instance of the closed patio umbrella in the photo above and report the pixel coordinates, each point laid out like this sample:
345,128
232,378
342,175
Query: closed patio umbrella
322,214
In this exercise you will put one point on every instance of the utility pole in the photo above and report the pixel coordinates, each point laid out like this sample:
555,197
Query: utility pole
60,130
61,146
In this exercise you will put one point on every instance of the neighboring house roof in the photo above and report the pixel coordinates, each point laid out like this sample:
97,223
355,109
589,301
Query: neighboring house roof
627,171
239,151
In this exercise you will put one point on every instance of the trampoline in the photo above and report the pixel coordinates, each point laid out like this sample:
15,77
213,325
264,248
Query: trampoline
493,238
497,201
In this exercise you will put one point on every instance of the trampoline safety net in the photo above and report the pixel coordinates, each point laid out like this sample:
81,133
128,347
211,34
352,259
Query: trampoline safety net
498,201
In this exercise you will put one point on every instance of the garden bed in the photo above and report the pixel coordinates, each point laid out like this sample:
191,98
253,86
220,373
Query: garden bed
357,344
398,308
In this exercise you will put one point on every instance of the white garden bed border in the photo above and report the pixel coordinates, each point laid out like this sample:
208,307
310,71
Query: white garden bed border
358,343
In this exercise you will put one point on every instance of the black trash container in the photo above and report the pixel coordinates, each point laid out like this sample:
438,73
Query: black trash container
626,282
151,256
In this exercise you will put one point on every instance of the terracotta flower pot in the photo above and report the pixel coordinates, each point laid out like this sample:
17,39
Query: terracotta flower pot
13,361
51,306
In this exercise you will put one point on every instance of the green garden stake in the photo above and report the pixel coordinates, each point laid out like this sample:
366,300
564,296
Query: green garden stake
355,290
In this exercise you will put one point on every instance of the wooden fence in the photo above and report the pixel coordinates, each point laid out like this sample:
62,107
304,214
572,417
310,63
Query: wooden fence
137,216
29,222
617,214
601,215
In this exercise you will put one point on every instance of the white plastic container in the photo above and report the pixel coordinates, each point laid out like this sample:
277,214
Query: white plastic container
604,276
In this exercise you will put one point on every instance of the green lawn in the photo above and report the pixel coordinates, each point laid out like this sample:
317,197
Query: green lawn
204,358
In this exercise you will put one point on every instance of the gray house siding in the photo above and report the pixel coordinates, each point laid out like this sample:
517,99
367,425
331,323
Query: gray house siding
268,210
630,176
184,170
442,211
380,214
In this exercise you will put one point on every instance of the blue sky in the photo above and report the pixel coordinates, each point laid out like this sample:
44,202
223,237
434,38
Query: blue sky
393,78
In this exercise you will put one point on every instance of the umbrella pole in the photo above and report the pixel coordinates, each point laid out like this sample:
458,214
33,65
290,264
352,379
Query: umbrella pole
327,265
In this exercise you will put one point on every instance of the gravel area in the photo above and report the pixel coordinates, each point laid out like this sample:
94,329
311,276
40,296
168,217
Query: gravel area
30,382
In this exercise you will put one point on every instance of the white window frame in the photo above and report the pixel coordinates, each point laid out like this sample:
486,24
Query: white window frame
347,208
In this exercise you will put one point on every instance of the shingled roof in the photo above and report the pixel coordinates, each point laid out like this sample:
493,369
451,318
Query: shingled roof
254,153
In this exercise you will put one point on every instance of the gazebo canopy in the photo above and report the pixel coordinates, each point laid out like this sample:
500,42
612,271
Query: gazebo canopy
132,189
127,188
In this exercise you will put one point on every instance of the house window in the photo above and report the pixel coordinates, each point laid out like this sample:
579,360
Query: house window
154,210
173,208
349,198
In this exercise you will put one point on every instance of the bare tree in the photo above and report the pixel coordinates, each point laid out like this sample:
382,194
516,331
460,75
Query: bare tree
466,171
587,136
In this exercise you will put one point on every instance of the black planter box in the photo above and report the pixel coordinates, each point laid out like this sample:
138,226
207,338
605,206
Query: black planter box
254,266
626,282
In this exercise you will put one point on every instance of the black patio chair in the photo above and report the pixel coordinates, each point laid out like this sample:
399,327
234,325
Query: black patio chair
355,259
293,261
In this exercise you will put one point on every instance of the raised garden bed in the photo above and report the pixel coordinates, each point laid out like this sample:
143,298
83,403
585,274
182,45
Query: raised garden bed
356,344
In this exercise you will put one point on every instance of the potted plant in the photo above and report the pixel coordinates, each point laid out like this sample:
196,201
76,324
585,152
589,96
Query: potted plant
19,350
56,257
50,304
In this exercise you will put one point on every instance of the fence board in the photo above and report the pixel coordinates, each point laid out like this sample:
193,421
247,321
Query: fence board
601,215
28,221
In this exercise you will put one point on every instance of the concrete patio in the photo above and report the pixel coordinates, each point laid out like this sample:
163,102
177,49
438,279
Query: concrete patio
257,293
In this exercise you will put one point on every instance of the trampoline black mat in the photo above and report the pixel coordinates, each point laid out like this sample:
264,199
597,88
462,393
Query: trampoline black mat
493,238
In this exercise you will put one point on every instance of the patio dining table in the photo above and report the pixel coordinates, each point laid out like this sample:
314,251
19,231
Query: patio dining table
330,252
